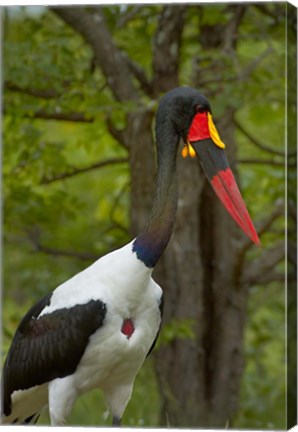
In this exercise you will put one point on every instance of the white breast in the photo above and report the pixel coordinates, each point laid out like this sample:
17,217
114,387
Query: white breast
124,284
113,357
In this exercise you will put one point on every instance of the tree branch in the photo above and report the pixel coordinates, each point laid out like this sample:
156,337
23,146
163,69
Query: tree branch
275,276
48,93
266,223
77,117
129,15
231,28
116,133
75,171
34,233
140,75
166,48
85,256
276,15
248,70
261,268
260,145
271,162
93,28
241,76
261,227
114,208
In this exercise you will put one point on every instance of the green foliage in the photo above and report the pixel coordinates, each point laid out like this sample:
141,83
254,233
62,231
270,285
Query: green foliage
264,357
88,213
176,329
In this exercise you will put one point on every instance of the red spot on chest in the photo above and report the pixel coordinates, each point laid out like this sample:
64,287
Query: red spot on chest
127,327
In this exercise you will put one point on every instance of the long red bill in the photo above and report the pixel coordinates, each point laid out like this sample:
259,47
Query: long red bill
218,172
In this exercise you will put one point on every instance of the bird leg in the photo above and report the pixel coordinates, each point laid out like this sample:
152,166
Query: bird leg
116,421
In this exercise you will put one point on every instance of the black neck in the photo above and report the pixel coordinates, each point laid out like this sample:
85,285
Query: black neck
150,244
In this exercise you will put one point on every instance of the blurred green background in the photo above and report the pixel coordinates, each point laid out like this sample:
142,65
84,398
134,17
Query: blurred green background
57,219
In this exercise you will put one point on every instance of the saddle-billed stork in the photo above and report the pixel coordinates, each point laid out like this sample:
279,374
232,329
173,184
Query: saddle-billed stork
96,329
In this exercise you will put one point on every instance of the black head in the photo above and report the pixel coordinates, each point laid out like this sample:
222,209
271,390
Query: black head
177,109
185,113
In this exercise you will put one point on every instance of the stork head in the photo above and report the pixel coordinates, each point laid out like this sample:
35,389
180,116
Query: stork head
189,114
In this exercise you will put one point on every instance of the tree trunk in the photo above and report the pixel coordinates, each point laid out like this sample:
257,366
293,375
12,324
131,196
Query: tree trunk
138,137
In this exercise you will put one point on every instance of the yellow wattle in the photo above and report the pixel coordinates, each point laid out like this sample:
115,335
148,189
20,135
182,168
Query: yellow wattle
188,150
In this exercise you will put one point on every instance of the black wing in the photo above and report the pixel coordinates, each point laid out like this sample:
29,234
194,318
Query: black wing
157,334
48,347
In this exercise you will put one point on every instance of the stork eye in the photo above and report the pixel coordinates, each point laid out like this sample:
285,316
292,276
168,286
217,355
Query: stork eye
200,108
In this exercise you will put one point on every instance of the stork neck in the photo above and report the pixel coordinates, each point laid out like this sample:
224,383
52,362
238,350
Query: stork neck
150,244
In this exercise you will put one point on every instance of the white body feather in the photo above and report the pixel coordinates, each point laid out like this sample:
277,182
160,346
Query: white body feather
111,360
